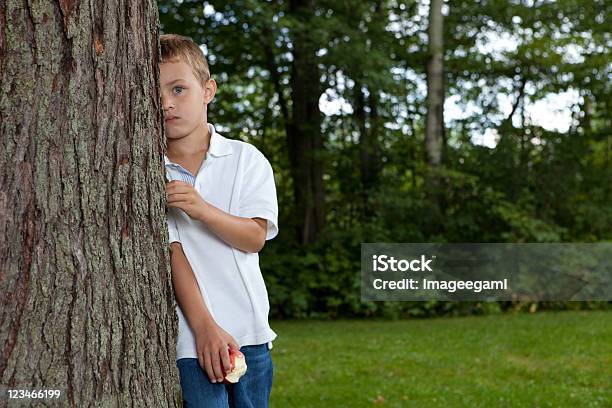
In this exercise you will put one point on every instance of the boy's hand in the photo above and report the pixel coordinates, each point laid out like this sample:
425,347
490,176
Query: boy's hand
182,195
212,345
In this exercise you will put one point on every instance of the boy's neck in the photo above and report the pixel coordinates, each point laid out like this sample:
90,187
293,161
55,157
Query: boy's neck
195,143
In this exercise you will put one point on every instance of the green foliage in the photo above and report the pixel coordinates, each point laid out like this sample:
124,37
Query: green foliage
535,185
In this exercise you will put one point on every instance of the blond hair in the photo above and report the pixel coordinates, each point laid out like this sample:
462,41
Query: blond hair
176,48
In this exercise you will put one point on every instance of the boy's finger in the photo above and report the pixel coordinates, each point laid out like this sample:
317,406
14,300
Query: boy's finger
208,365
201,360
178,189
177,197
176,182
181,205
233,344
216,365
225,359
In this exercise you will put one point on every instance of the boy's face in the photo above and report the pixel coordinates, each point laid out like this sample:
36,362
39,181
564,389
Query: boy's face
184,99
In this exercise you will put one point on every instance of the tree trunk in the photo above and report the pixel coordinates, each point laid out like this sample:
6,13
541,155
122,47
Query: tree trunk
434,132
369,149
304,138
434,128
87,302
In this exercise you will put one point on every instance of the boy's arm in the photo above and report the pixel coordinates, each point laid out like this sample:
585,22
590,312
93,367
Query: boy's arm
256,220
212,341
187,290
246,234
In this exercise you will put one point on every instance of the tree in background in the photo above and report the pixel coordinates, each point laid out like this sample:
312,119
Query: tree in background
434,129
304,139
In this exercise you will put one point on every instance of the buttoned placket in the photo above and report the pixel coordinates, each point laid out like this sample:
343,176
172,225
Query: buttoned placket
205,164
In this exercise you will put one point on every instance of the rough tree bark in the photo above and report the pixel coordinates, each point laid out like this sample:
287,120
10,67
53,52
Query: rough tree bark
87,303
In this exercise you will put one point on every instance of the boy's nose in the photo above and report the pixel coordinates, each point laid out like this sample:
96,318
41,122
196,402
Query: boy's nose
167,104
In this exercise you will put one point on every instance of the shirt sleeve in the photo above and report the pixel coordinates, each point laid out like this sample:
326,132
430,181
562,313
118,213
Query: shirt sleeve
258,194
173,234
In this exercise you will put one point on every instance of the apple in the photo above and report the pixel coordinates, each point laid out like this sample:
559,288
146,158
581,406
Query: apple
238,367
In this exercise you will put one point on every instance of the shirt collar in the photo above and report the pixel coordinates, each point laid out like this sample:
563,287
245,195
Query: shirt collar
219,145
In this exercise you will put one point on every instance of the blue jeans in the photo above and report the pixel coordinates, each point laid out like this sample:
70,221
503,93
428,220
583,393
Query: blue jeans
251,391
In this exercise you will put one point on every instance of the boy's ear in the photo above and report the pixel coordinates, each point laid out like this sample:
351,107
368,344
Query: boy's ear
210,89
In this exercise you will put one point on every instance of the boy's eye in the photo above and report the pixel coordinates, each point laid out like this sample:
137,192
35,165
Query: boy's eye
178,89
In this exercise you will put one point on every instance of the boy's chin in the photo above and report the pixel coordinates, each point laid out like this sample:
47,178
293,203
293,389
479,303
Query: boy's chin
175,135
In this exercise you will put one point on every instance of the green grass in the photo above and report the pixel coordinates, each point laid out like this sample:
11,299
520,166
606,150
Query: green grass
554,359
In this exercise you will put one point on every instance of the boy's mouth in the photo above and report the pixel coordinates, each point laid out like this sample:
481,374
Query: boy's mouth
170,118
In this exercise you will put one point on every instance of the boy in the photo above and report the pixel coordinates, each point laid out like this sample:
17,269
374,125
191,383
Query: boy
222,208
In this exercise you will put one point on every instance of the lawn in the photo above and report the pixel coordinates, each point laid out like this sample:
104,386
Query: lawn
553,359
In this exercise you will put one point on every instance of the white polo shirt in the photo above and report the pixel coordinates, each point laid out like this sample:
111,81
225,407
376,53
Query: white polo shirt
236,178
